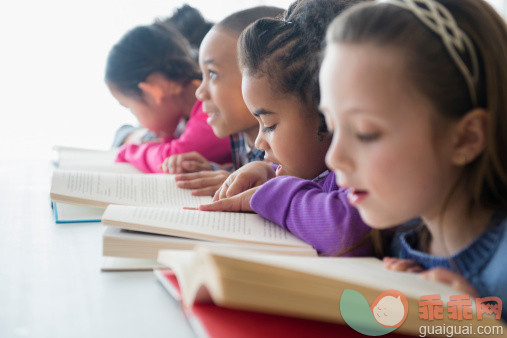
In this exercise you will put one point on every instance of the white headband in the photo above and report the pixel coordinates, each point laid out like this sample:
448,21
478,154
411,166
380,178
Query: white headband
436,17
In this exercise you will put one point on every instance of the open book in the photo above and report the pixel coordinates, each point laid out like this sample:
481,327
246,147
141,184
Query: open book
119,242
69,158
100,189
319,288
238,229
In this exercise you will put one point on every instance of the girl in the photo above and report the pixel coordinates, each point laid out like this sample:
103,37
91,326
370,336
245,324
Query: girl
281,90
220,92
152,72
409,142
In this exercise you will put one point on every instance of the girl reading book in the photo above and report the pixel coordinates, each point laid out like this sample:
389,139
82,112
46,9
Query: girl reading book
278,58
220,92
152,72
411,142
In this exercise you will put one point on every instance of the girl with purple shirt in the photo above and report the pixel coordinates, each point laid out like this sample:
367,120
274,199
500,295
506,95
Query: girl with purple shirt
280,88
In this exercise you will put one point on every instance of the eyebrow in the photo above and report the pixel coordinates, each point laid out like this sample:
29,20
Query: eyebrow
352,110
261,111
208,61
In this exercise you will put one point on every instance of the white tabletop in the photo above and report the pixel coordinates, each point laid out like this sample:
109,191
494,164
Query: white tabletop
50,279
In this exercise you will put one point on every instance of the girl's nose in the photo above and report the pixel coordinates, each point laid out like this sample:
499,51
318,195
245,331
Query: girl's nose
260,141
338,155
201,92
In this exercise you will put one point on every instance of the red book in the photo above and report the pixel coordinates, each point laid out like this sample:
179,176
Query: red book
210,320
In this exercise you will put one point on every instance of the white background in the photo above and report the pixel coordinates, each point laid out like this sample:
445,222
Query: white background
52,59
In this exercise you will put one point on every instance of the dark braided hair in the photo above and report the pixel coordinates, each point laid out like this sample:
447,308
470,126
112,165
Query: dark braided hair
287,49
144,50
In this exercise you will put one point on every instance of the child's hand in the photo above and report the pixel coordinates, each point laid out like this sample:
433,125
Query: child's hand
250,175
240,202
398,264
185,163
203,183
455,280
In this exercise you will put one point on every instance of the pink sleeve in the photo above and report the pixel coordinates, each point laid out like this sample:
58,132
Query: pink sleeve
198,136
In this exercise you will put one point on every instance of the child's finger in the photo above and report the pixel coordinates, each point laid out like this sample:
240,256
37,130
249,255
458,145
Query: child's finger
439,275
389,261
230,204
398,264
179,161
239,202
237,186
223,189
208,191
403,265
192,156
196,183
164,166
189,165
415,269
455,280
170,164
191,176
216,195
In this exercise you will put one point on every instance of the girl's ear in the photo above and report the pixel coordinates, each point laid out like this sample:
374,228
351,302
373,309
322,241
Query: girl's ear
157,87
471,136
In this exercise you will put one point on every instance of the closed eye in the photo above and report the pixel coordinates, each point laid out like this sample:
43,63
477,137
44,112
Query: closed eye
368,137
268,129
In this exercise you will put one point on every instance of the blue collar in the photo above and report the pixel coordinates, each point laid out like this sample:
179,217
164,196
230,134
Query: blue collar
469,261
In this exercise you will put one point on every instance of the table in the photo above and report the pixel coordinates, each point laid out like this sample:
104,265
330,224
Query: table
50,279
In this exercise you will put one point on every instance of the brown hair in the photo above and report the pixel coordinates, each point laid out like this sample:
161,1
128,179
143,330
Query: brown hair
238,21
434,73
148,49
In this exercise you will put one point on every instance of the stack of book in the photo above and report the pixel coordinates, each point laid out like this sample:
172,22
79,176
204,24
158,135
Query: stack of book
236,274
234,293
145,213
68,158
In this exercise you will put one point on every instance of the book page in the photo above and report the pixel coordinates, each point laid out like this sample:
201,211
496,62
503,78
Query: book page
70,213
91,160
107,188
365,271
117,239
216,226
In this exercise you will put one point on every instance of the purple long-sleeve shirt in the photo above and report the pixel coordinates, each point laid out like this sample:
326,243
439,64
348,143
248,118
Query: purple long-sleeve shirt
316,211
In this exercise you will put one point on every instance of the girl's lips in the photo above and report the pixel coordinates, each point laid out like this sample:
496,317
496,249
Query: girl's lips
356,196
211,117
